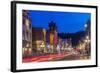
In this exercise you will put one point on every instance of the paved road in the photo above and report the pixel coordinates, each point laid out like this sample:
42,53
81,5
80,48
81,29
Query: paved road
54,57
72,57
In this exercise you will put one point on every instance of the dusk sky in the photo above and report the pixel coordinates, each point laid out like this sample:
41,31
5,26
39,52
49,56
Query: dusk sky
67,22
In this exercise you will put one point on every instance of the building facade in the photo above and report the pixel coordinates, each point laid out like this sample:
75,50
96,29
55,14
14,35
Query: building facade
26,34
39,40
42,37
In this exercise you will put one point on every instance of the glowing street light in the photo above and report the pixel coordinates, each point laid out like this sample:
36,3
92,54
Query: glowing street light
85,25
87,37
30,50
27,45
86,40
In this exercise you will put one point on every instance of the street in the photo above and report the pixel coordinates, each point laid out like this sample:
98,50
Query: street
55,57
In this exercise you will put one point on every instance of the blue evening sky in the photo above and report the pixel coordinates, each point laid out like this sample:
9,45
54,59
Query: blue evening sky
67,22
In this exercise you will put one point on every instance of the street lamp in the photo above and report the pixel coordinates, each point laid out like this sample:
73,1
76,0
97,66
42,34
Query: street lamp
89,41
85,25
86,40
27,45
87,37
30,51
